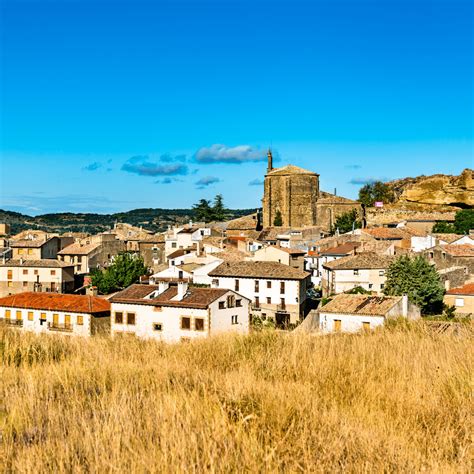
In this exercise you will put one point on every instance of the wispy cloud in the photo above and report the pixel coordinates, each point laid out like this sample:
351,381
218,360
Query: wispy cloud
144,166
362,181
229,155
167,158
256,182
168,180
353,167
92,166
206,181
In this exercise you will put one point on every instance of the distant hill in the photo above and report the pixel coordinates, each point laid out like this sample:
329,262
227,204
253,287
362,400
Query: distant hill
155,220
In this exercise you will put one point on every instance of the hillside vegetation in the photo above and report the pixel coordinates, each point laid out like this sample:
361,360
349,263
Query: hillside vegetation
397,399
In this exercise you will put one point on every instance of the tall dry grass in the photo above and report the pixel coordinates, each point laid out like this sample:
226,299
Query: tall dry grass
393,400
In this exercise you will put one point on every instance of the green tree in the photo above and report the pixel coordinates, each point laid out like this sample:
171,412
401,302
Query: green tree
358,290
278,221
376,191
464,221
443,227
203,211
219,211
126,269
346,221
419,280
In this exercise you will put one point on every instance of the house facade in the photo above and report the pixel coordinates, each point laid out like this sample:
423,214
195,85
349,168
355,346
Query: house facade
173,313
56,313
462,298
275,290
45,275
35,249
291,257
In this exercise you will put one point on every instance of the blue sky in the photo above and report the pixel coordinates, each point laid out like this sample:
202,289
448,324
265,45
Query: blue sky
113,105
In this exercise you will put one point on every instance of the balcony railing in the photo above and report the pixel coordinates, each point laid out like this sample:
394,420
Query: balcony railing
12,322
282,308
60,327
255,307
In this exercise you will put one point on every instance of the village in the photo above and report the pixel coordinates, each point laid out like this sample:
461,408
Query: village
288,266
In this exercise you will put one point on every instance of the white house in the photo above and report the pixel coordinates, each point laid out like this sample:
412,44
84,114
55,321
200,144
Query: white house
173,313
352,313
365,269
56,313
277,291
184,237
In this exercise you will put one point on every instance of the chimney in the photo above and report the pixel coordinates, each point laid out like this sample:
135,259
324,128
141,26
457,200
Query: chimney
405,305
270,161
162,286
92,291
182,289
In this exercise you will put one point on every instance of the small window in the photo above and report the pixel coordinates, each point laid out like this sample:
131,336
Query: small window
30,316
19,316
53,272
131,318
199,324
365,325
235,319
382,286
269,300
173,245
370,286
25,284
43,316
20,251
282,287
9,274
10,284
25,272
157,327
30,251
459,302
356,272
7,314
237,285
443,255
230,301
36,272
381,273
269,284
118,318
257,286
238,303
80,320
221,304
431,254
215,283
185,323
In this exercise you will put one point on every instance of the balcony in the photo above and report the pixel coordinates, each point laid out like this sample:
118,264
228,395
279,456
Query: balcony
66,327
255,307
282,308
12,322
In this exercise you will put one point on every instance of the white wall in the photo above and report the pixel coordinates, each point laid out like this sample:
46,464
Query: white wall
418,244
349,323
344,280
200,275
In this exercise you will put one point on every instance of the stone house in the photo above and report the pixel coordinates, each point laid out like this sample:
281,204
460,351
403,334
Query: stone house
446,256
365,269
152,250
45,275
173,313
288,256
35,249
56,313
352,313
462,298
277,291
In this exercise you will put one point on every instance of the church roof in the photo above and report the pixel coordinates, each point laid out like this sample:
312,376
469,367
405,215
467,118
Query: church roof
290,169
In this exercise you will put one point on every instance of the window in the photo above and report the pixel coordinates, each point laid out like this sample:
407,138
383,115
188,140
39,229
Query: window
237,285
257,302
431,254
43,316
180,274
215,283
157,327
53,272
19,316
30,251
257,286
21,251
282,287
381,273
185,322
36,272
235,319
7,314
221,304
25,272
9,274
79,259
118,318
356,272
131,318
55,319
199,324
282,303
230,301
269,284
269,300
10,284
459,302
382,286
25,284
337,325
30,315
173,245
67,319
238,303
79,320
370,286
365,325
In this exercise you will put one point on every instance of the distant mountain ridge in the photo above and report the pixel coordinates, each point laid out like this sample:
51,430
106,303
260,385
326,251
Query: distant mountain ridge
153,219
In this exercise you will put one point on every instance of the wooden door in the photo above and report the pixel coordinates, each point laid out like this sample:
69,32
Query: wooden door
366,326
67,320
337,325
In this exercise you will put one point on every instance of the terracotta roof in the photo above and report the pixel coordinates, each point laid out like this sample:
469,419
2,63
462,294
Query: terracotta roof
360,304
180,253
194,298
268,270
243,223
462,250
57,302
229,254
343,249
447,237
189,267
391,233
42,263
79,249
30,243
467,289
293,251
290,169
364,260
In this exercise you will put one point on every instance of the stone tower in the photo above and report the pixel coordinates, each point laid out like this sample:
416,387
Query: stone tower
292,191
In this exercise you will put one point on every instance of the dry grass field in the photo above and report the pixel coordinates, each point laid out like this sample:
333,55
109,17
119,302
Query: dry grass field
395,400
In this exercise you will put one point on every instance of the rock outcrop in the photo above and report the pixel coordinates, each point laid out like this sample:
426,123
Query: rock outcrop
438,189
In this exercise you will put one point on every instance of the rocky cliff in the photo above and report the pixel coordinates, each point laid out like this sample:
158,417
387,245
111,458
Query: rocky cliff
438,189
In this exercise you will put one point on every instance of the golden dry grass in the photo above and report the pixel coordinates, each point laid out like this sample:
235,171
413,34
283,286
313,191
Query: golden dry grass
397,399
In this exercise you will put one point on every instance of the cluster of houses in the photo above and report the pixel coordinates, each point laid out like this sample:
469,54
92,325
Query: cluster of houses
207,279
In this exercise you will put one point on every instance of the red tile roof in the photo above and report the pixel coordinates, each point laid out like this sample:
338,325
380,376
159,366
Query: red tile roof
467,289
57,302
268,270
463,250
361,305
365,260
343,249
79,249
390,233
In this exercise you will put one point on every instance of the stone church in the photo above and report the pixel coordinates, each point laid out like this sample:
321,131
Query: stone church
294,193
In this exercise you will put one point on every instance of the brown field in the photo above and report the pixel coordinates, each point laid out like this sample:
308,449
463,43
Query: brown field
395,400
